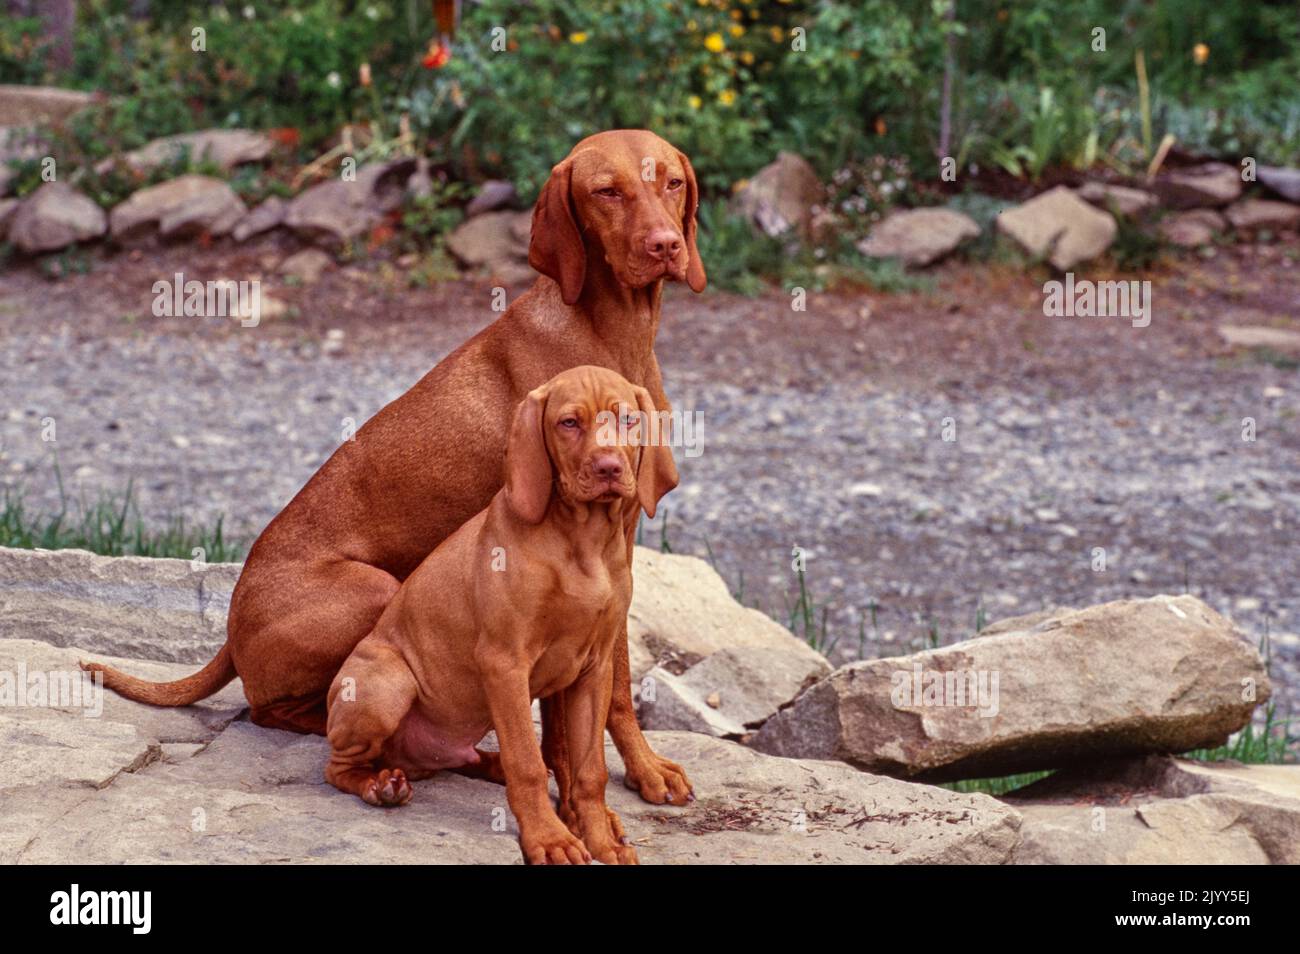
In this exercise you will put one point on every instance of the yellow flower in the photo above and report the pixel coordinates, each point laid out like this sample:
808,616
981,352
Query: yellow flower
1200,53
736,14
579,37
695,102
714,43
737,30
726,97
777,34
747,58
692,26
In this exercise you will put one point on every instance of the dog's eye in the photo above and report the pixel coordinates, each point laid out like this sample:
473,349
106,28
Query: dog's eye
609,193
569,422
674,184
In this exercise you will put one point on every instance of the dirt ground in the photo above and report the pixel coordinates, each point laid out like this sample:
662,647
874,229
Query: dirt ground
822,429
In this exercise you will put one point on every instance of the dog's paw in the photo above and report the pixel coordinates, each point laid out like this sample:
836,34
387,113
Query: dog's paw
388,789
556,845
610,845
660,781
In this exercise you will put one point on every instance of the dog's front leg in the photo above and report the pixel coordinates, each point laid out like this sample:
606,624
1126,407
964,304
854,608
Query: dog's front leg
543,838
658,780
585,708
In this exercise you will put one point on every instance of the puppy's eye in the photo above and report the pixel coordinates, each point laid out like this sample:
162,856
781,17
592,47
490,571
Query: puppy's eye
569,422
674,184
609,192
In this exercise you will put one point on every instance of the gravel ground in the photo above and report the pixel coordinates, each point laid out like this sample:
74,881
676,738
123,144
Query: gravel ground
823,430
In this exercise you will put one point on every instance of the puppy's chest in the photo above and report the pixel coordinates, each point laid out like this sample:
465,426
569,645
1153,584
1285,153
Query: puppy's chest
585,614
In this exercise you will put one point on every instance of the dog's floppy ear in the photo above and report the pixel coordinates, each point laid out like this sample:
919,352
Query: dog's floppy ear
695,267
657,472
528,465
555,247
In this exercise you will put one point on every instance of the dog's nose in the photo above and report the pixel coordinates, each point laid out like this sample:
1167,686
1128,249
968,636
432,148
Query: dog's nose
607,467
663,244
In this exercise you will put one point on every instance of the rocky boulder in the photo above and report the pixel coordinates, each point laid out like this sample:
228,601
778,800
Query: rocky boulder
1194,228
223,148
134,784
336,211
1261,336
1121,199
1160,811
782,196
919,236
1059,226
54,217
496,243
492,195
268,215
33,105
1211,185
1285,182
1166,674
187,205
1250,214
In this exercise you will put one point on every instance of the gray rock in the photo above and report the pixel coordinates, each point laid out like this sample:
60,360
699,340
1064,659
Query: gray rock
180,207
489,239
33,105
1126,201
337,211
171,610
1068,689
306,266
1260,336
1194,228
682,613
224,148
1211,184
919,236
1160,810
782,196
1263,214
728,692
1285,182
54,217
1059,226
110,790
492,195
265,217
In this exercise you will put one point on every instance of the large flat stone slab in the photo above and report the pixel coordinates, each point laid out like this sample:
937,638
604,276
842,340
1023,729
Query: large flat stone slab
110,794
1161,810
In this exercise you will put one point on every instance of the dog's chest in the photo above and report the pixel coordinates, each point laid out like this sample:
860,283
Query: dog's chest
579,624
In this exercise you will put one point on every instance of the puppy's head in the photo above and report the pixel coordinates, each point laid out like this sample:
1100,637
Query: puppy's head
627,197
586,435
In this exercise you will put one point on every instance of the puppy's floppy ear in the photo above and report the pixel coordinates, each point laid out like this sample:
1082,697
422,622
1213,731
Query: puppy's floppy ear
528,465
555,247
695,267
657,472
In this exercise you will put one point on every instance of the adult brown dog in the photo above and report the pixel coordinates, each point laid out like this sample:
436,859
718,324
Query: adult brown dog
614,220
526,600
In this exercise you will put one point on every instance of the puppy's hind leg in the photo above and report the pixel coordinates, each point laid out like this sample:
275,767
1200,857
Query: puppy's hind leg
367,701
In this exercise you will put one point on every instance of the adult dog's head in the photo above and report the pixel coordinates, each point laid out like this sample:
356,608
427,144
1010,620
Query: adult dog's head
627,197
587,435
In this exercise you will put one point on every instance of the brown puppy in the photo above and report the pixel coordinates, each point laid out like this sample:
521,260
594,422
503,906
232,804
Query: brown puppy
614,220
526,600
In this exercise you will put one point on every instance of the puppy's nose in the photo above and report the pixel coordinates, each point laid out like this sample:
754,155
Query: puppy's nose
607,467
663,244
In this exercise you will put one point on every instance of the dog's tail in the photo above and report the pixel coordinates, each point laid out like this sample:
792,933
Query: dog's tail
182,692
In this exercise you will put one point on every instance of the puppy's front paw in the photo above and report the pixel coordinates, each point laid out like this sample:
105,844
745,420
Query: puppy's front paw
388,789
659,781
554,845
